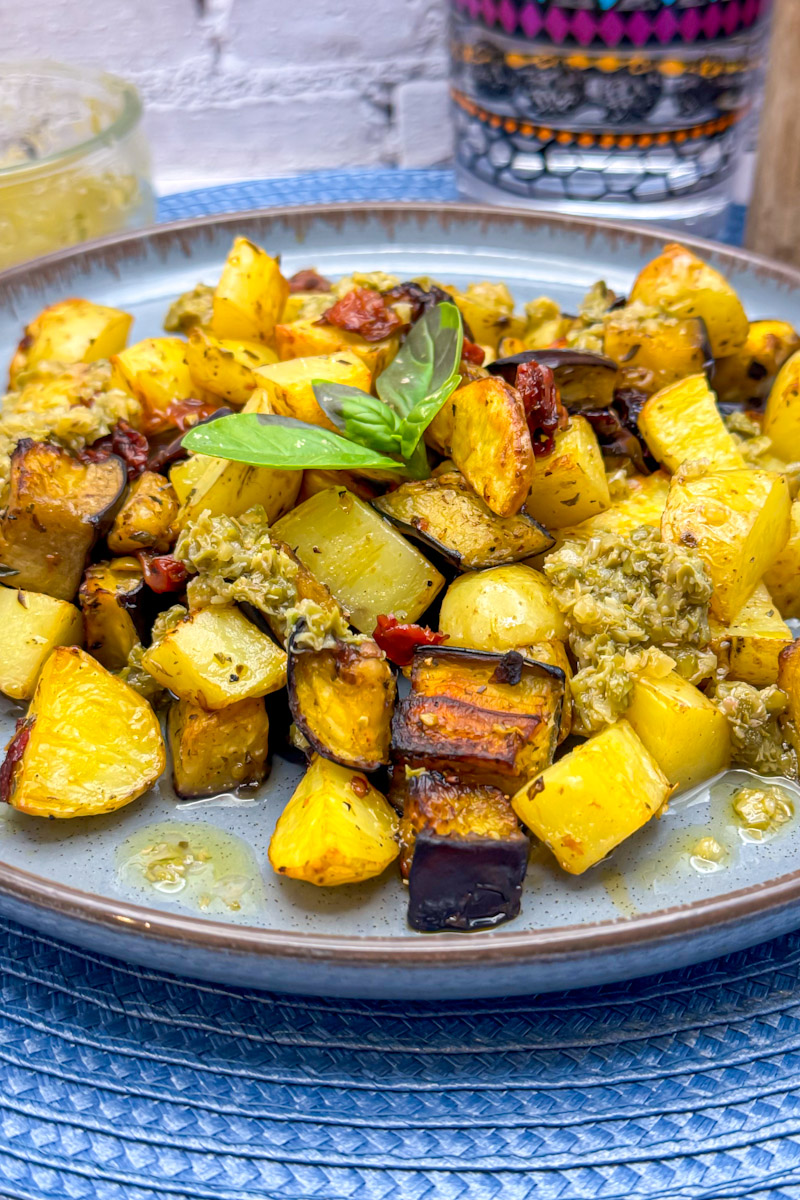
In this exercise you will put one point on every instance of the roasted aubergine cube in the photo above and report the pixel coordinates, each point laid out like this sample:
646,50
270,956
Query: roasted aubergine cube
462,851
445,514
337,828
490,718
583,379
215,752
342,699
147,519
118,609
57,507
88,745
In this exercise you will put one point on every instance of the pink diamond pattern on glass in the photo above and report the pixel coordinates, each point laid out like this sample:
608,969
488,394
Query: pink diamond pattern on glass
556,24
611,28
507,15
690,25
584,28
730,19
640,28
530,21
712,21
531,17
665,27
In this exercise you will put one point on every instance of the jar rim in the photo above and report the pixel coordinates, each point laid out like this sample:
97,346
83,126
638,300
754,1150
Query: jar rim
115,130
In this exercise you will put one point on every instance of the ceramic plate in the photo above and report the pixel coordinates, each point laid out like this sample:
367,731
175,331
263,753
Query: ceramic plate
648,908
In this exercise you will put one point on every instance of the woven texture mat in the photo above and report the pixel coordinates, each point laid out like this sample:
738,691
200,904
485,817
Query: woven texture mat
120,1084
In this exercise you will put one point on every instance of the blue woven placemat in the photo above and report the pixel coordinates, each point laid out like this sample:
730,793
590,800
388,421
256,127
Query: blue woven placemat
117,1083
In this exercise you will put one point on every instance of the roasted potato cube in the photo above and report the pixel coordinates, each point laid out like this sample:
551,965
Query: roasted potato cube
782,580
782,414
488,310
215,657
682,422
746,377
463,853
750,645
318,479
789,682
738,521
368,566
342,699
156,373
89,744
31,626
570,483
491,445
337,828
654,352
642,505
501,609
230,488
683,731
289,384
220,751
679,282
148,517
594,797
250,295
57,506
305,338
224,366
444,514
117,610
491,718
71,331
185,474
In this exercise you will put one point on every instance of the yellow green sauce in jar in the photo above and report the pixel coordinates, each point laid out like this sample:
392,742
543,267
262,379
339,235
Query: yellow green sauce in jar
74,163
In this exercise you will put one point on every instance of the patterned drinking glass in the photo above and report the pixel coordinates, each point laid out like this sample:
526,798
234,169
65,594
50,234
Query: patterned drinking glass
612,108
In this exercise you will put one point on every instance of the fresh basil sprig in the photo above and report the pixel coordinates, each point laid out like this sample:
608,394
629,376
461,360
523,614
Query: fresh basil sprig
411,391
266,440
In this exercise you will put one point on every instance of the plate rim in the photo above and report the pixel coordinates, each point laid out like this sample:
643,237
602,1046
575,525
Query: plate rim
437,950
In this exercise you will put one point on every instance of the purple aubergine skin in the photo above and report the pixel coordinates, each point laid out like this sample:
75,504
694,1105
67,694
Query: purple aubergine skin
450,555
465,883
584,379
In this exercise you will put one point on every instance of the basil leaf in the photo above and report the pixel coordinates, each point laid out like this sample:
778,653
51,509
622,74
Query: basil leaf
266,440
359,415
426,362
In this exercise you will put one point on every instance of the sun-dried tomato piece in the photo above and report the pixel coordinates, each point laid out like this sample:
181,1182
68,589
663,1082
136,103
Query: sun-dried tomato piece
166,453
473,353
365,312
542,402
162,572
127,443
14,753
309,280
185,414
398,642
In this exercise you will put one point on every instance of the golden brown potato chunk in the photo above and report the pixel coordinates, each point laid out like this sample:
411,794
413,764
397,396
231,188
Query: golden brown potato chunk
89,744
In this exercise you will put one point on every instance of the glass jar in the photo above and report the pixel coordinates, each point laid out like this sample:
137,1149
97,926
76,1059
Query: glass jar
608,108
74,162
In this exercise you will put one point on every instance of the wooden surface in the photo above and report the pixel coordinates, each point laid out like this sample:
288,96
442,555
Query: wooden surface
774,220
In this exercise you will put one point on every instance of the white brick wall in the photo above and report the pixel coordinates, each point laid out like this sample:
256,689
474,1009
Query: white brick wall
243,88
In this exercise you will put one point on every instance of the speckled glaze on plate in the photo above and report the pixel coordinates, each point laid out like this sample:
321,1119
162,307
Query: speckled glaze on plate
646,909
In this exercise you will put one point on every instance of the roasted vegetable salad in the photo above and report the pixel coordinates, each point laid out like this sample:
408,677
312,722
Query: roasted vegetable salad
500,578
